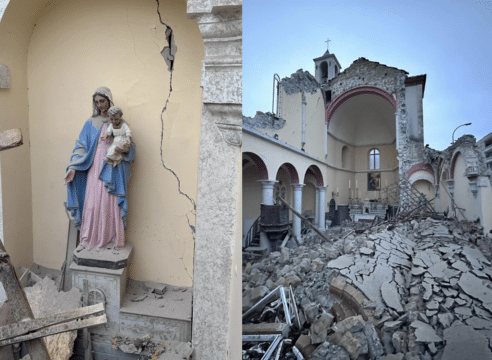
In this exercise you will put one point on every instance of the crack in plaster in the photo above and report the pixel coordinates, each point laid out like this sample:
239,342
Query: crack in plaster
168,53
184,250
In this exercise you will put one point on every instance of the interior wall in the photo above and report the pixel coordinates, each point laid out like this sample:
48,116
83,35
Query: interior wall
284,180
79,46
425,187
387,157
309,198
15,30
252,196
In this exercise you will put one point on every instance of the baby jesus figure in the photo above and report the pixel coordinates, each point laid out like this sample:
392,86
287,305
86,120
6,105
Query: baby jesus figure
121,132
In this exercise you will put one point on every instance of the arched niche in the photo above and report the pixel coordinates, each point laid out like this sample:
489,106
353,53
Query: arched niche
59,52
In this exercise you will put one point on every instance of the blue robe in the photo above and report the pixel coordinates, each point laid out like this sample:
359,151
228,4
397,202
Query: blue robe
115,178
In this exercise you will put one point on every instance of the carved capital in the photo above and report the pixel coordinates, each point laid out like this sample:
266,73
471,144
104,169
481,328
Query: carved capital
228,121
220,24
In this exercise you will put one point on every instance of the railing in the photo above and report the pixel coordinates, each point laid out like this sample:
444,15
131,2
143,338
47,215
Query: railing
252,232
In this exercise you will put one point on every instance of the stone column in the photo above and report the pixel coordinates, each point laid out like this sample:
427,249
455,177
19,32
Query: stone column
296,221
316,209
216,331
321,192
267,191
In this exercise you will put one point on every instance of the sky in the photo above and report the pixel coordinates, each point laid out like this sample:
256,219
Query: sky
450,41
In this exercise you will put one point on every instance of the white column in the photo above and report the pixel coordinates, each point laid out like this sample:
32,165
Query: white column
296,221
321,191
267,191
316,210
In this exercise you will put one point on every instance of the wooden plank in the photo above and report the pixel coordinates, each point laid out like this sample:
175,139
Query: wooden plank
306,220
56,329
71,245
18,303
6,352
21,328
10,139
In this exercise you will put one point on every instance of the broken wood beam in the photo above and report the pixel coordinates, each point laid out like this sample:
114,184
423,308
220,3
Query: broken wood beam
303,218
18,303
266,329
31,274
56,329
285,240
24,327
10,139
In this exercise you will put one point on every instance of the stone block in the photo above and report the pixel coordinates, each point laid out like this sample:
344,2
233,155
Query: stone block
304,345
373,341
337,286
317,265
293,280
284,256
329,351
311,312
319,328
351,344
258,293
338,312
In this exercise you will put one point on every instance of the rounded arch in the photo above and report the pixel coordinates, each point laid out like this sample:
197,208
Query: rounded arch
259,164
315,172
294,176
421,171
360,90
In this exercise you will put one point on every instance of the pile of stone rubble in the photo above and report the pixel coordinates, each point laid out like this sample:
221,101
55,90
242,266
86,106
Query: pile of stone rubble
422,290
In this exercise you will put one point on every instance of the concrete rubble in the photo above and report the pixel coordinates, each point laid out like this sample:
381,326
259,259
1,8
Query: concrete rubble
420,289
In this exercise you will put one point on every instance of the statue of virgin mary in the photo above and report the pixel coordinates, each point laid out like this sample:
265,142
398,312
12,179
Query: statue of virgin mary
97,191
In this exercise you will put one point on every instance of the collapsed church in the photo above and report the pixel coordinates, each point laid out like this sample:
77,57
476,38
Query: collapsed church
342,145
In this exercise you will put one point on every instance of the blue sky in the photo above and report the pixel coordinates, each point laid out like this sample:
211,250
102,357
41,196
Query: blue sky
450,41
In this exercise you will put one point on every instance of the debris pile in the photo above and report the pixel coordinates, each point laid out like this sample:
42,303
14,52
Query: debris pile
421,290
264,121
45,300
151,350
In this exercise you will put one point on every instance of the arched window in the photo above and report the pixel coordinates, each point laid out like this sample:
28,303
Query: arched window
374,159
324,71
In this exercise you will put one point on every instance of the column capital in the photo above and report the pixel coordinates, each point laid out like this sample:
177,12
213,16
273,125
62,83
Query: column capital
267,182
321,188
298,186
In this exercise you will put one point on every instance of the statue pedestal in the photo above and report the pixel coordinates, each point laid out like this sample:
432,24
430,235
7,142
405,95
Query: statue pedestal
132,308
106,273
107,257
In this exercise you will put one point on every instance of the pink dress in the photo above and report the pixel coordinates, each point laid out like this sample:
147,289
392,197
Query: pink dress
101,219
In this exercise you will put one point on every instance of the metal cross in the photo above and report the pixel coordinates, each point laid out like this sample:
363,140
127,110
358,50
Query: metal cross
327,44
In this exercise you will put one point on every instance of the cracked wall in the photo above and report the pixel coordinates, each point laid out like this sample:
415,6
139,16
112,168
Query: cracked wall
76,47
